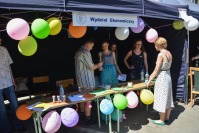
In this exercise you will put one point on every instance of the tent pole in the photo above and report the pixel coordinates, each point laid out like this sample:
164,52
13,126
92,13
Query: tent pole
187,70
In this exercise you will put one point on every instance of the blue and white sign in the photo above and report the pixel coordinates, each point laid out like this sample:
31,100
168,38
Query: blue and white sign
104,19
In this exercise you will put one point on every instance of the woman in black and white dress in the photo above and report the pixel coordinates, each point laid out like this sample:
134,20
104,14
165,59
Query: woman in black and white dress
163,99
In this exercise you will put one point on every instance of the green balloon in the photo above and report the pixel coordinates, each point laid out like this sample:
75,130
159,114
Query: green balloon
120,101
114,115
40,28
178,24
27,46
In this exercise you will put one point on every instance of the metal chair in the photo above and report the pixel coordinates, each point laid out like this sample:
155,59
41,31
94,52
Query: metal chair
194,83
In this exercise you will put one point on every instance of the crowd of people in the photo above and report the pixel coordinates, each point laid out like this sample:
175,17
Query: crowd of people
109,71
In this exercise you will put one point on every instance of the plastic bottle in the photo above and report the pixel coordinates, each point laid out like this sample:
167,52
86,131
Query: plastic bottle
91,87
142,75
61,92
197,63
79,89
146,77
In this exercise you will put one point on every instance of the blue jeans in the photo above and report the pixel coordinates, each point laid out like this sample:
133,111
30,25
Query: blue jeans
10,95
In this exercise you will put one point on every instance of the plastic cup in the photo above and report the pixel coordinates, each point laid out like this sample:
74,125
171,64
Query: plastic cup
53,97
58,98
64,98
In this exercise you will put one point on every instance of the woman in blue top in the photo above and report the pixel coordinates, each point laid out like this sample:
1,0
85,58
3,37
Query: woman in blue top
138,58
108,74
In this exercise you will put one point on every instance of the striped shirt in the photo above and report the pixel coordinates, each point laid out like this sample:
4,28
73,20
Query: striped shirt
83,71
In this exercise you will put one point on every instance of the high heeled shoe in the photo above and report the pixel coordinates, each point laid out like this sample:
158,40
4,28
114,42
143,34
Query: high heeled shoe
157,122
166,121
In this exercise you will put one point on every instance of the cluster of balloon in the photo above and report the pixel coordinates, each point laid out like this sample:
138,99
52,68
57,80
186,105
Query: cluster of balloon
18,29
106,106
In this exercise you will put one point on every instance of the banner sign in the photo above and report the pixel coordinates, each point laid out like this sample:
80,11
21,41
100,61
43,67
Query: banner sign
103,19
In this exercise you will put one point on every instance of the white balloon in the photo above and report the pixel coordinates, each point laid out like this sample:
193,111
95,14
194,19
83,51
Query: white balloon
122,33
192,24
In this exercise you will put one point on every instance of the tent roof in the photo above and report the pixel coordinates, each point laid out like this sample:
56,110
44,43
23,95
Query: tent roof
164,9
194,9
46,5
111,6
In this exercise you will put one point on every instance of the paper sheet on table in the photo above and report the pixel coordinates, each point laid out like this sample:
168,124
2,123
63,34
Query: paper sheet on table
75,98
117,89
32,107
99,92
122,77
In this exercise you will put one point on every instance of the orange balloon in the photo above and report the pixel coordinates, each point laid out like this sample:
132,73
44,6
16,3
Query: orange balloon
23,113
77,31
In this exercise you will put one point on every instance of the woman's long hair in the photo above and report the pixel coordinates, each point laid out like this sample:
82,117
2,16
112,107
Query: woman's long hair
142,47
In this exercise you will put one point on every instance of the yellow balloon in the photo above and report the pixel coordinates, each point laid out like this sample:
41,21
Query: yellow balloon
55,25
146,96
27,46
178,24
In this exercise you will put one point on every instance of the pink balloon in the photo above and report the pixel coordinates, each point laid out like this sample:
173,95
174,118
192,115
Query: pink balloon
69,117
51,122
18,29
132,99
140,26
151,35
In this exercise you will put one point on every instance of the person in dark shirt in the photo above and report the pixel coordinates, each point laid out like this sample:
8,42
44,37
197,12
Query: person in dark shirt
138,58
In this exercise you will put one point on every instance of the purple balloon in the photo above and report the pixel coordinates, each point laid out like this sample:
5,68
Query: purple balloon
140,26
51,122
69,117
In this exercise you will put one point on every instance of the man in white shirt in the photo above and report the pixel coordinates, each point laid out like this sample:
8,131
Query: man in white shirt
7,88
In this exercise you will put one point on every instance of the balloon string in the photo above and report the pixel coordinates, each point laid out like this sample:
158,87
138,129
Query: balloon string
158,26
162,26
147,25
50,15
5,17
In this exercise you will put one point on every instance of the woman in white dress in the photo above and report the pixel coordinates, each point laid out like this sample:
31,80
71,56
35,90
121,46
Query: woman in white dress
163,99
